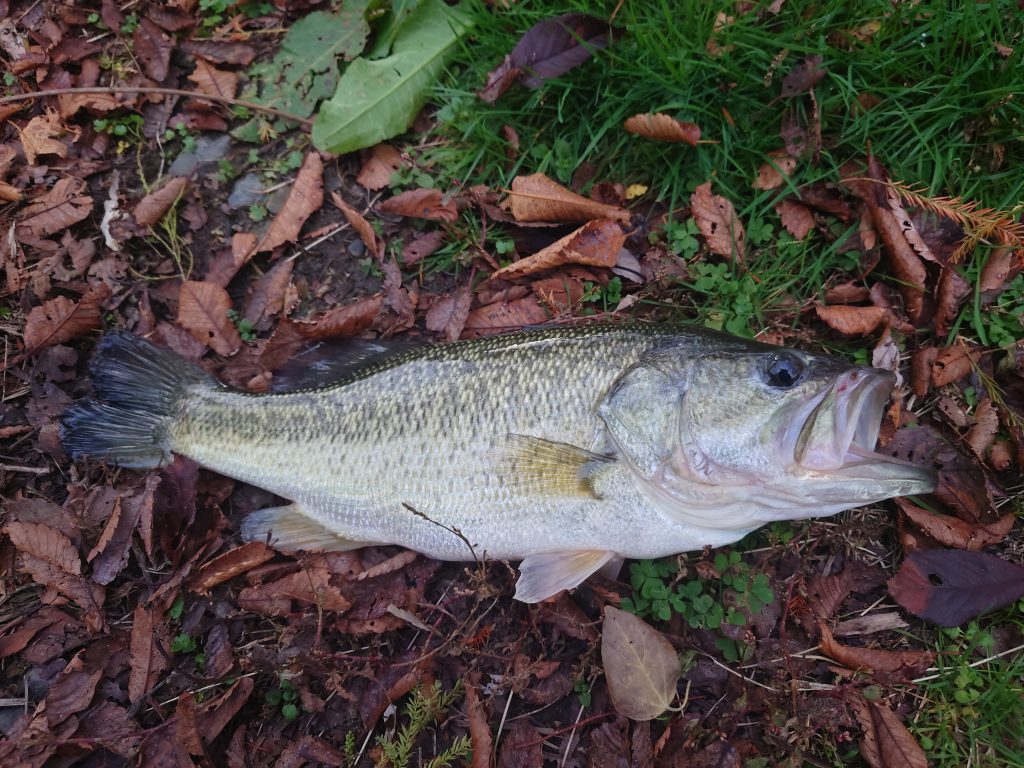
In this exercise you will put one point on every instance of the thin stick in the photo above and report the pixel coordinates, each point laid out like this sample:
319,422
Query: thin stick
125,90
30,470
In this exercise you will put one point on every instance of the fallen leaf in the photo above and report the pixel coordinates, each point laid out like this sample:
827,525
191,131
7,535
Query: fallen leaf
110,555
203,312
448,315
422,204
37,138
213,81
953,363
60,319
950,586
499,80
773,173
986,424
796,217
640,665
268,295
65,204
397,298
305,198
8,193
71,692
479,729
216,712
145,662
884,666
1001,266
597,244
953,532
952,291
521,747
232,563
556,45
803,77
662,127
886,743
504,316
536,198
852,321
362,227
232,52
225,265
421,247
87,595
150,209
719,223
379,164
153,48
46,543
921,363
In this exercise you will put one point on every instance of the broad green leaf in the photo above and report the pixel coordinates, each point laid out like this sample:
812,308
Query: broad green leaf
399,13
379,99
640,664
305,70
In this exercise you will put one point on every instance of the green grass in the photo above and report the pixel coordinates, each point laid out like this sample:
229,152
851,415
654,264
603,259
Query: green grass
949,117
971,711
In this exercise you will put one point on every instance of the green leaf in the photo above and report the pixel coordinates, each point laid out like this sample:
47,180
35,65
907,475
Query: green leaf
379,99
305,70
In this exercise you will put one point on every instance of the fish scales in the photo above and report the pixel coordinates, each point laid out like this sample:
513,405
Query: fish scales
568,448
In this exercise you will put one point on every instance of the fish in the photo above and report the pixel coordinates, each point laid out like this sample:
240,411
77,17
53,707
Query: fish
568,448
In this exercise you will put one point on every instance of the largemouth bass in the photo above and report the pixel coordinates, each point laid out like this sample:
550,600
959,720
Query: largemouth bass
567,448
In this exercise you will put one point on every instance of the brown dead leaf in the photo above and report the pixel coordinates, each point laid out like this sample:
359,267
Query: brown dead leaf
804,76
921,363
887,743
953,363
305,198
773,173
71,692
640,665
37,138
213,81
268,296
110,555
65,204
150,209
521,747
46,543
597,244
448,315
422,204
884,666
504,316
360,225
796,217
986,424
379,163
220,51
8,193
203,312
849,292
536,198
1001,265
479,729
852,321
907,226
225,265
719,223
952,291
153,48
232,563
145,662
422,246
662,127
953,532
60,319
87,595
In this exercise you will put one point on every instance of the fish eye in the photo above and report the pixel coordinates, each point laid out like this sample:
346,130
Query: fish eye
784,371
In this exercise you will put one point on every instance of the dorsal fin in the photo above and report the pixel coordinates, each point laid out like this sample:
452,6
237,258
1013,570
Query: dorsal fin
327,362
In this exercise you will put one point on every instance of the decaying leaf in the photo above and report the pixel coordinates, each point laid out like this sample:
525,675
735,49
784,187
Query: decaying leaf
953,363
60,319
448,315
422,204
213,81
421,247
887,743
37,138
662,127
379,163
72,691
951,586
953,290
953,532
145,662
719,223
640,664
796,217
597,244
203,312
504,316
852,321
150,209
536,198
884,666
360,225
986,424
305,198
773,172
65,204
804,76
153,48
556,45
232,563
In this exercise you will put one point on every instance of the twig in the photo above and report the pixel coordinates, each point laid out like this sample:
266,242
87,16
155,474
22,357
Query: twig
125,90
454,531
29,470
973,664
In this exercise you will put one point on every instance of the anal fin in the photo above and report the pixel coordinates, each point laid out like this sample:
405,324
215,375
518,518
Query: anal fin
290,529
548,573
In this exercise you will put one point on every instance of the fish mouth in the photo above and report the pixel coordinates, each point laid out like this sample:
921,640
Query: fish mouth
837,431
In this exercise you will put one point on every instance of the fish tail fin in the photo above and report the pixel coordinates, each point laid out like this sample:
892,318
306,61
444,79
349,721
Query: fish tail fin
139,389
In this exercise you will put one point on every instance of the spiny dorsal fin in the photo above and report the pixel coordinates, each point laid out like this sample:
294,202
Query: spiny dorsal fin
559,469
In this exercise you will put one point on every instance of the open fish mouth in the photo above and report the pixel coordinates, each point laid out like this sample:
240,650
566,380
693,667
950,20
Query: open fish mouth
836,432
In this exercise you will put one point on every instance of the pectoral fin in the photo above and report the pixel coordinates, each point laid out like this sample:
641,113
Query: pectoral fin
548,573
290,529
550,467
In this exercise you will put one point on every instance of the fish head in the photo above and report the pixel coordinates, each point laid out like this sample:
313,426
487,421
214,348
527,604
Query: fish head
754,434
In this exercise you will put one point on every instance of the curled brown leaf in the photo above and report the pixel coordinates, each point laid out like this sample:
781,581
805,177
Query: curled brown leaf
536,198
719,223
661,127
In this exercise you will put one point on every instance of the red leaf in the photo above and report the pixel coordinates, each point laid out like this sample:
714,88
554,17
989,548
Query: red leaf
950,586
554,46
